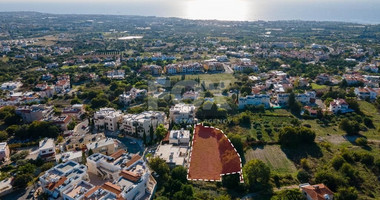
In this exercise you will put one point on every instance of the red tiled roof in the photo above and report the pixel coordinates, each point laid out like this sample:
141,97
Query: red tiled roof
112,188
133,160
317,192
90,192
52,186
130,175
118,153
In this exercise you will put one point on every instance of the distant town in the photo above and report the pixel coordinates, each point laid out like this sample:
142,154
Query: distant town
127,107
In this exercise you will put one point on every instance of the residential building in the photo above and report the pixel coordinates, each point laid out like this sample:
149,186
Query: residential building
305,98
174,155
316,192
34,112
79,142
76,110
138,124
254,100
62,177
11,85
116,74
107,119
182,113
75,156
339,106
246,65
152,69
133,94
61,121
323,79
79,191
283,99
4,151
106,146
179,137
128,175
190,95
214,66
46,149
366,92
47,76
63,84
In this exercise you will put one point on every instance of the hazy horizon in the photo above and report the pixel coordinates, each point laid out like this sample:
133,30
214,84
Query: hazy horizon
236,10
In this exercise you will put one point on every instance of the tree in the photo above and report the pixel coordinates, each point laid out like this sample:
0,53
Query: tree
3,136
361,141
290,136
161,132
236,140
289,194
231,181
337,162
303,176
84,159
151,133
256,174
350,127
71,125
179,173
144,137
22,180
347,194
160,167
331,180
90,152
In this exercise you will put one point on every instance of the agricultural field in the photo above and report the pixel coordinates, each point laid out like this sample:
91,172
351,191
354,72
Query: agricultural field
273,156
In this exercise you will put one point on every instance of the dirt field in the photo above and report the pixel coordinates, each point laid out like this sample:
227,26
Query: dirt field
273,156
212,155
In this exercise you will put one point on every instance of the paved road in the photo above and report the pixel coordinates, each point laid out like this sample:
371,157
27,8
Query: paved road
19,194
228,69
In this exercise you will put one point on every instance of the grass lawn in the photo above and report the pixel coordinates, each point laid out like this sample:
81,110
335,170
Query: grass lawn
273,156
371,111
315,86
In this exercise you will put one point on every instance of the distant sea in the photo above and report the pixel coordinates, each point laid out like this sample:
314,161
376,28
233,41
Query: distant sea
360,11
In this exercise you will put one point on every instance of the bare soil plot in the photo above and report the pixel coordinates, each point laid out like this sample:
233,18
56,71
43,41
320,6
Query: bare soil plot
212,155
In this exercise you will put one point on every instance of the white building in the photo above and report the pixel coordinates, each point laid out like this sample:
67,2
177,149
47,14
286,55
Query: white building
106,146
254,100
366,93
116,74
128,175
339,106
4,151
133,94
139,124
179,137
246,65
190,95
182,113
79,191
304,98
107,119
46,149
75,156
173,155
11,85
62,177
